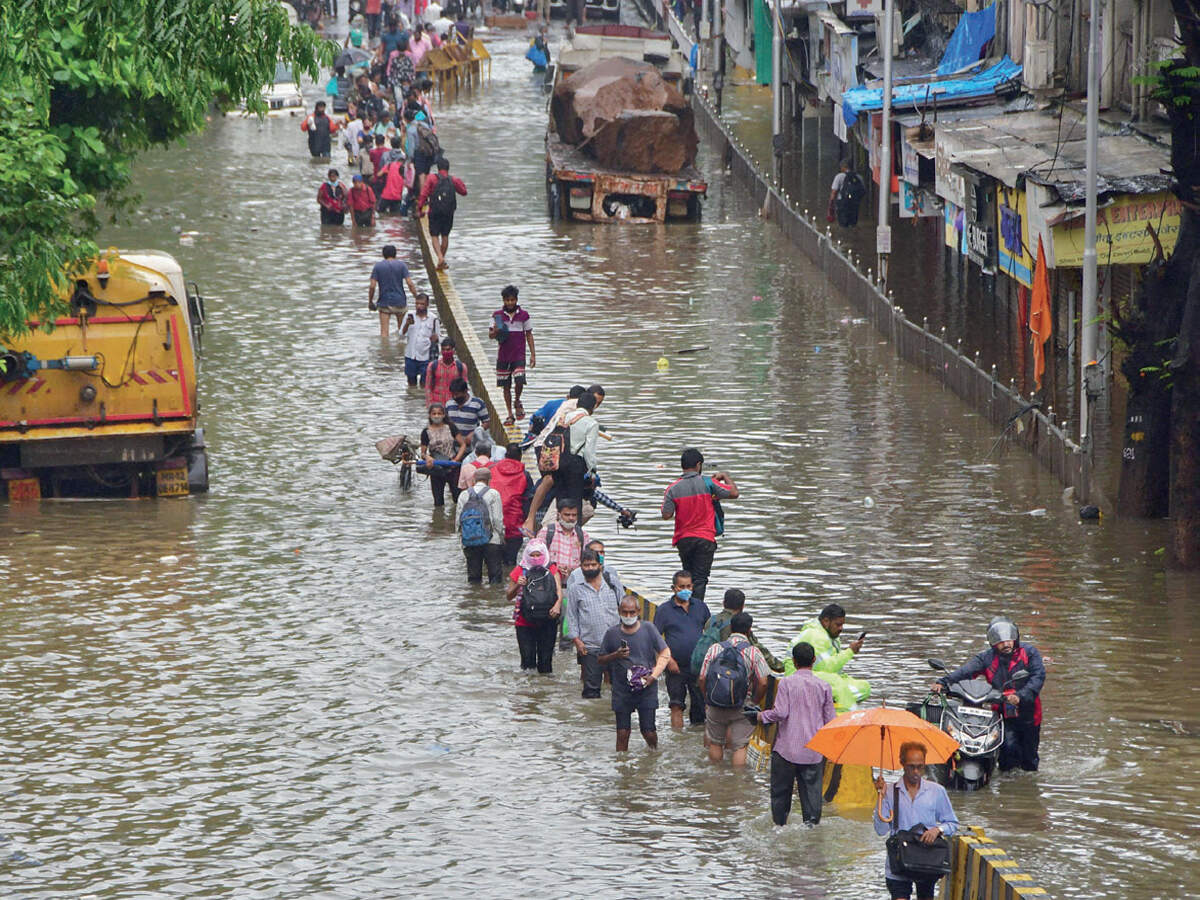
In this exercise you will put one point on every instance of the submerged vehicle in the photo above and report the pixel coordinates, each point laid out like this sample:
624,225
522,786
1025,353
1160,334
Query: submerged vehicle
105,403
282,95
621,139
596,9
969,713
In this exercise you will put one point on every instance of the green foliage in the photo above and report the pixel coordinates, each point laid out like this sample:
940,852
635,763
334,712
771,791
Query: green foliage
87,84
1171,81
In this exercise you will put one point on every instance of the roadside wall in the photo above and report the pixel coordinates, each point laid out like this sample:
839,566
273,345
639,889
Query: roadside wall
983,871
1001,403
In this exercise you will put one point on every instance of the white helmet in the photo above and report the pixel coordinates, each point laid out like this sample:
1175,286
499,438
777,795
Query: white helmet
1001,629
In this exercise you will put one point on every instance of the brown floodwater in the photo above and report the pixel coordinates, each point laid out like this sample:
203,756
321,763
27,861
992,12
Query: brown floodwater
285,688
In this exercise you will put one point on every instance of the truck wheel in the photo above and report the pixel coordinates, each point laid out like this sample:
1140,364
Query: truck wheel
196,454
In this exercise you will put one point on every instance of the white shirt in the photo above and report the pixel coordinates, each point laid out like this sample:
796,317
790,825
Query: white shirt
433,12
837,181
442,26
495,508
419,335
350,136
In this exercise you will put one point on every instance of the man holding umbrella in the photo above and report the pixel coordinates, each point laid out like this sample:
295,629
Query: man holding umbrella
913,801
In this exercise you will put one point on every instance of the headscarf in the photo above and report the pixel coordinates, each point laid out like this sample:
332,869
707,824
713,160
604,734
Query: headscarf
532,548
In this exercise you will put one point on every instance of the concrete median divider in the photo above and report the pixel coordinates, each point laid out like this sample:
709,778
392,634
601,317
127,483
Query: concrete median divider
984,871
457,323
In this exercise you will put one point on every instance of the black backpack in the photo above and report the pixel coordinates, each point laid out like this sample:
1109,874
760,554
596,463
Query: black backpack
727,682
444,199
538,596
427,142
852,190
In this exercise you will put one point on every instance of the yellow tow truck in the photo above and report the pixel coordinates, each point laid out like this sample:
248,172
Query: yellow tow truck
104,403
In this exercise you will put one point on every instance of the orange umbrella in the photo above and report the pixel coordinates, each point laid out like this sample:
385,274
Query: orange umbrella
872,737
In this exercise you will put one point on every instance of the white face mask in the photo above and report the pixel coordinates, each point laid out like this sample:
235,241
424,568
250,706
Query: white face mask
629,621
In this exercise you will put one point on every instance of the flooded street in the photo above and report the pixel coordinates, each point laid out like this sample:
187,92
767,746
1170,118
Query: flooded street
285,689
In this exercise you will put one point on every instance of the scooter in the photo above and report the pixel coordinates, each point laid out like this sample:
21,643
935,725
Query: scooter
966,713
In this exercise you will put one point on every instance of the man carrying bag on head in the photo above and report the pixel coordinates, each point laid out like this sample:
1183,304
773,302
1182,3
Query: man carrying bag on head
916,813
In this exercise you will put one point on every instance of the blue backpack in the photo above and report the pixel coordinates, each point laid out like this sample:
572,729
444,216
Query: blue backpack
475,524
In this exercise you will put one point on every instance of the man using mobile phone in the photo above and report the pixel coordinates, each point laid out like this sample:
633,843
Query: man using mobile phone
634,670
824,634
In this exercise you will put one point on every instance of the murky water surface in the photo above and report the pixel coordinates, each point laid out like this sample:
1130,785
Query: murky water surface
309,702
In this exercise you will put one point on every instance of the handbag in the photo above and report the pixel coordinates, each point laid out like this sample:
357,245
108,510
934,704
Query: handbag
908,856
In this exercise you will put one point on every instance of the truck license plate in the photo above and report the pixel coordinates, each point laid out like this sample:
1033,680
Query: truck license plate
24,489
172,482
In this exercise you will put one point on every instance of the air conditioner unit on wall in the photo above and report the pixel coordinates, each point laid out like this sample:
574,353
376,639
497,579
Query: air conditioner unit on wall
1039,65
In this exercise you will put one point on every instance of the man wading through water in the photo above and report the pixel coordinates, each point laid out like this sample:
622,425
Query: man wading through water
635,655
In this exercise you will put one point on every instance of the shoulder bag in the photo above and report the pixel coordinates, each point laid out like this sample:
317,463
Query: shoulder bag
908,857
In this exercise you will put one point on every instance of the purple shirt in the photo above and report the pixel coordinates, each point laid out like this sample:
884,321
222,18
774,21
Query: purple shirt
512,348
803,703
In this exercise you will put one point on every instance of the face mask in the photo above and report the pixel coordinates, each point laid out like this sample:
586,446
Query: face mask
684,596
629,621
448,356
537,560
601,558
437,420
589,574
565,525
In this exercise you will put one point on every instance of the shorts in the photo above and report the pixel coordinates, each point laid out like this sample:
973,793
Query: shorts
440,223
509,372
422,163
414,371
901,888
364,218
646,704
392,309
727,726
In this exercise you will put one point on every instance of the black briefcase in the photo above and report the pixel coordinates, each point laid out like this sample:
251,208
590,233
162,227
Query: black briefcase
909,857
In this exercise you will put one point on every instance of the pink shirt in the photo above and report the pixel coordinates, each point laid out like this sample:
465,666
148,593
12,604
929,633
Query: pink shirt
803,703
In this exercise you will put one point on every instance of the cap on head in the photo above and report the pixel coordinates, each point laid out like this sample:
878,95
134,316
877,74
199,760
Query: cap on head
357,178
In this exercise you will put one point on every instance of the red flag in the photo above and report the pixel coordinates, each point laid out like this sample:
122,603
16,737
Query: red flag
1040,320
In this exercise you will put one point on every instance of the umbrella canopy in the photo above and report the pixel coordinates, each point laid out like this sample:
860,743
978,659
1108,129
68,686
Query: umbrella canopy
872,737
351,57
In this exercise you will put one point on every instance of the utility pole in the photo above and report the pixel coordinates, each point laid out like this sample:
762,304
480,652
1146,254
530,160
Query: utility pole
718,50
883,233
776,72
1089,310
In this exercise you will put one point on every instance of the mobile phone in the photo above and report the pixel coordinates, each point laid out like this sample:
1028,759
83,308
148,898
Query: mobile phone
863,635
624,645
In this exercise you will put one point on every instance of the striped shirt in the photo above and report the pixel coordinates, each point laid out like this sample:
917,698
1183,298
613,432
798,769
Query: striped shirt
466,417
751,654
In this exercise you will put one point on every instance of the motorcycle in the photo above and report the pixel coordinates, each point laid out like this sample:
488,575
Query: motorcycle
966,712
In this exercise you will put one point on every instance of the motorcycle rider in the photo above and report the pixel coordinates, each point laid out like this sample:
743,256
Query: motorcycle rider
1022,705
823,634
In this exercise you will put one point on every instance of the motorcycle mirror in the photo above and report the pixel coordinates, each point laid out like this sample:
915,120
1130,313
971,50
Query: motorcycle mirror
937,664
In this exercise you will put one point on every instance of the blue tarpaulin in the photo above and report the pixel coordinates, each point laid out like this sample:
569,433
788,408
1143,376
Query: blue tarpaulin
974,30
966,44
922,96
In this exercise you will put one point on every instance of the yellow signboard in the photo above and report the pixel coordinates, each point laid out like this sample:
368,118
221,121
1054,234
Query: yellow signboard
1121,234
1015,256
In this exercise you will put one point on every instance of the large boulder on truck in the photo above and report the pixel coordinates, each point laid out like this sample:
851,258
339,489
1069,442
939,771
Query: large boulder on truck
622,113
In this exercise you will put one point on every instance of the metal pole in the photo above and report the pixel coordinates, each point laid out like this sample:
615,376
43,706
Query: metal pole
883,234
1088,304
718,50
776,70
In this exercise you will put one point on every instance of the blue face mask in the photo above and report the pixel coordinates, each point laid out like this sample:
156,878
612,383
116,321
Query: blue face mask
684,596
600,556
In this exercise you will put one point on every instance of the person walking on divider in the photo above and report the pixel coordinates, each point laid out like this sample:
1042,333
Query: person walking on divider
440,192
510,326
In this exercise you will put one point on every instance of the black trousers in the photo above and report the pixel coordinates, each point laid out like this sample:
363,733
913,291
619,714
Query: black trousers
439,479
593,675
332,218
806,778
512,547
1020,747
536,643
696,555
477,556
